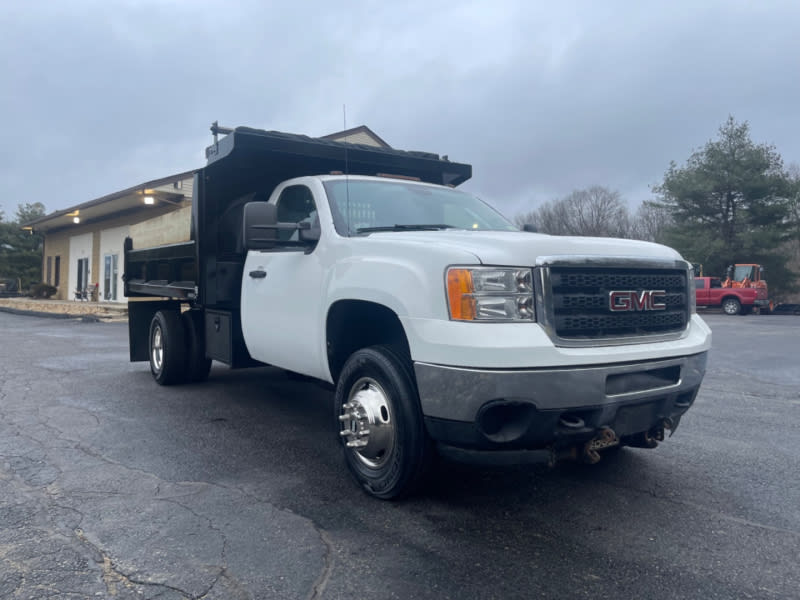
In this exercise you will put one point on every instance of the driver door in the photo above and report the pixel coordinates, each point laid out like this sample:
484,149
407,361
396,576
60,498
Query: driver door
281,293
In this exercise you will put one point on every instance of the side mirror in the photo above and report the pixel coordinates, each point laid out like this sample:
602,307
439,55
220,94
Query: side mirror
530,228
259,221
310,235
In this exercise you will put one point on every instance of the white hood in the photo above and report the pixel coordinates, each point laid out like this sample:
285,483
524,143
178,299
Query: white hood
517,248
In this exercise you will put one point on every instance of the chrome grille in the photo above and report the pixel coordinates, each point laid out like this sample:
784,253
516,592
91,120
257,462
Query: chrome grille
579,300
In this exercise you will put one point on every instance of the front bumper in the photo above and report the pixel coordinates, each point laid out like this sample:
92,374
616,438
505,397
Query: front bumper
552,407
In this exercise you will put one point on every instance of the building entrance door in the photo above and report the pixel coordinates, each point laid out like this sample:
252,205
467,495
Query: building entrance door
110,268
83,277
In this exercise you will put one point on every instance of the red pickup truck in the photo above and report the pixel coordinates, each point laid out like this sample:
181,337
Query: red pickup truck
734,301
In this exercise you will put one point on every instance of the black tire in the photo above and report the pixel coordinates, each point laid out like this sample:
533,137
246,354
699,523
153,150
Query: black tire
376,392
197,365
167,348
731,306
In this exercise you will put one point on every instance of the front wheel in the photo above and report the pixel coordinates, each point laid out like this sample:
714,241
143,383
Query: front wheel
731,306
380,423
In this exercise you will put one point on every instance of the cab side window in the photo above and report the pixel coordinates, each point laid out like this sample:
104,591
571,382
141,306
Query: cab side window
296,205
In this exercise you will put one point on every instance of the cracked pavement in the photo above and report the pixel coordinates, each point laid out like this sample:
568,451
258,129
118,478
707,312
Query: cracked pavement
114,487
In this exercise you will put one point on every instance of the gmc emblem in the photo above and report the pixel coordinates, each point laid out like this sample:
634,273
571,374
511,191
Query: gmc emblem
619,301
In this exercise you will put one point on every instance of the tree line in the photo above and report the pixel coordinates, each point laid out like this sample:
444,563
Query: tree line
21,250
732,201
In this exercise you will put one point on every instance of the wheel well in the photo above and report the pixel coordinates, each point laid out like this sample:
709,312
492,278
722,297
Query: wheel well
731,297
354,324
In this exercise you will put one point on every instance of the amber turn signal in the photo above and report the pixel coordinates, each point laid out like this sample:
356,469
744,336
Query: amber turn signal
460,294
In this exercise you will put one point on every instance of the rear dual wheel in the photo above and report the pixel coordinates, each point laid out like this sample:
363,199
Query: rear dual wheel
177,348
197,365
167,348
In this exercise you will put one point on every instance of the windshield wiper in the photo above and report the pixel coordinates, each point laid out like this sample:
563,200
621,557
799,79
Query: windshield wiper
431,227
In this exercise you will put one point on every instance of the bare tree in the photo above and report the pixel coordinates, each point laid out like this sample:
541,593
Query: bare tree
520,220
650,222
594,211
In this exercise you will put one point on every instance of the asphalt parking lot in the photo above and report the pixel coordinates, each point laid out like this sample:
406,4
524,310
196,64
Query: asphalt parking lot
114,487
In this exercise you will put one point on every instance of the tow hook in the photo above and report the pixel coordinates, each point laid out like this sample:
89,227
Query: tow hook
648,439
605,439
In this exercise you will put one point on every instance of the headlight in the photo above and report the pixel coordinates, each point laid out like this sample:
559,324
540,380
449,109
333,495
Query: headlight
490,294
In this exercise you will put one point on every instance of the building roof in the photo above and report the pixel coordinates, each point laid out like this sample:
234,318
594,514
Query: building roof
355,132
111,205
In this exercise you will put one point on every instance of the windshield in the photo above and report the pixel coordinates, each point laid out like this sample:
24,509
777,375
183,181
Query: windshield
361,207
744,271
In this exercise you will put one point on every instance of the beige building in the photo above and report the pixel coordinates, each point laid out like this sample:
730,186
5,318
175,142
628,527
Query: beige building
83,244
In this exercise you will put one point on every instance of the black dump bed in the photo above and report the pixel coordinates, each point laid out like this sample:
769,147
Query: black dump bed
247,153
246,165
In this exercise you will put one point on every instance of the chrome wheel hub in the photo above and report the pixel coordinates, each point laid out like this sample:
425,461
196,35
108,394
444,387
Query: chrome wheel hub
157,350
367,423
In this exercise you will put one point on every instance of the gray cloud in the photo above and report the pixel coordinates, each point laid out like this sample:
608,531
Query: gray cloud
98,96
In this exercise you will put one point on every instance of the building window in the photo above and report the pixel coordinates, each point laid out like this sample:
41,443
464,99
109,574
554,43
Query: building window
57,279
48,280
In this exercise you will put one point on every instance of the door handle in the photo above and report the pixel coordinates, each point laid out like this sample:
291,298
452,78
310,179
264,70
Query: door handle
258,274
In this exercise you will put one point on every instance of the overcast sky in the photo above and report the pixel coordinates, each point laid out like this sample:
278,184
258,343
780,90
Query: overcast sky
540,97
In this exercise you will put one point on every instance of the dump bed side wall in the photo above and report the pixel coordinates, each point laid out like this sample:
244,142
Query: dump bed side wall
164,271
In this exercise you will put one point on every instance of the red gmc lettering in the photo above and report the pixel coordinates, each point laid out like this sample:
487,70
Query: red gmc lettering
630,300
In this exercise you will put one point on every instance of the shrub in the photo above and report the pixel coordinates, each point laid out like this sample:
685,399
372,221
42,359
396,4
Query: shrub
42,290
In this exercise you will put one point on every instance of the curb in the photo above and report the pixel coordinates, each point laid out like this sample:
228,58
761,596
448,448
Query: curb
50,315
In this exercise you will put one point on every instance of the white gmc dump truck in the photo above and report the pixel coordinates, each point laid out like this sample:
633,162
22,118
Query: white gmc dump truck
442,327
